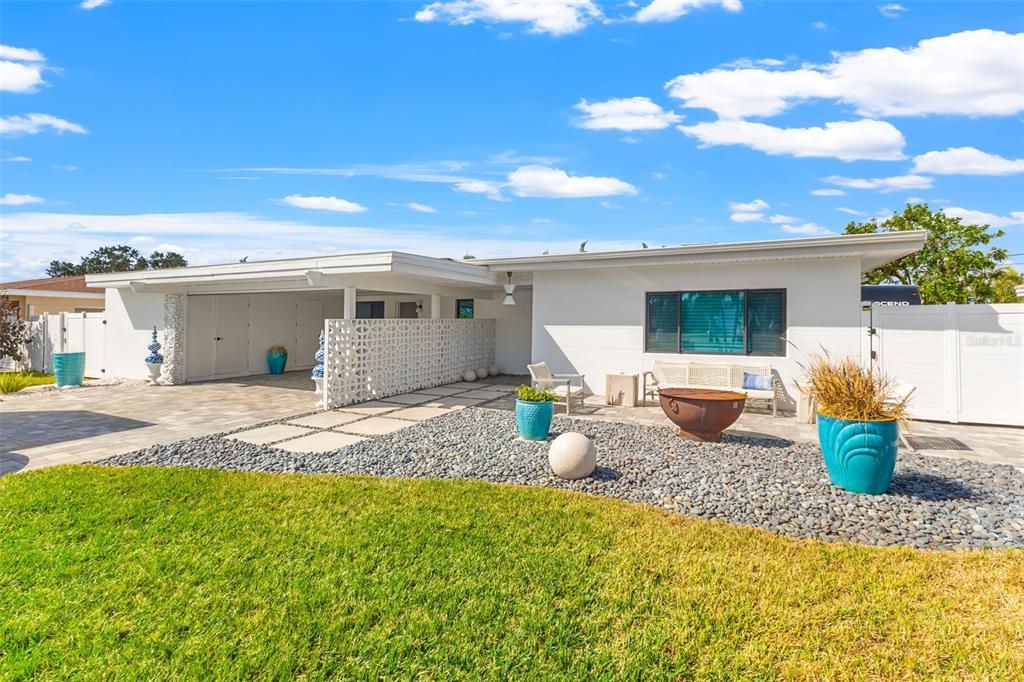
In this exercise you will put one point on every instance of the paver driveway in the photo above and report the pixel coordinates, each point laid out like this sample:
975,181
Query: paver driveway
86,424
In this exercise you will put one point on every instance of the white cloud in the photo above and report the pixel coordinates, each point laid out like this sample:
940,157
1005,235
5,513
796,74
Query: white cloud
141,240
828,192
30,124
755,205
820,26
21,69
555,17
629,113
541,181
93,4
491,189
746,217
420,208
972,73
892,10
966,161
670,10
10,199
17,159
971,217
779,219
890,184
850,211
806,228
844,140
323,203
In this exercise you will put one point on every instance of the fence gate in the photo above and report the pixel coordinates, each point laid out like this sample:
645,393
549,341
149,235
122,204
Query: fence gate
66,333
966,361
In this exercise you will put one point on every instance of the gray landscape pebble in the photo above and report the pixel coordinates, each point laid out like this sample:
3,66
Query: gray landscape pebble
777,485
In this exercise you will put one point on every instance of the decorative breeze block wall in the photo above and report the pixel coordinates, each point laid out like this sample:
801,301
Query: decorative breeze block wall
369,359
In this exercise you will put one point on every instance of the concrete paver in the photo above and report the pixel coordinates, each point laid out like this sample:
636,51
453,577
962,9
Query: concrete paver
326,420
270,434
375,426
323,441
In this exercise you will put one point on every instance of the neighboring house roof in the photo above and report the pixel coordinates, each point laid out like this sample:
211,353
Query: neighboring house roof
387,269
56,287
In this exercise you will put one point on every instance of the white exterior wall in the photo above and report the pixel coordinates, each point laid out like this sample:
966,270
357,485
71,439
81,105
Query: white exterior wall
591,321
130,320
513,332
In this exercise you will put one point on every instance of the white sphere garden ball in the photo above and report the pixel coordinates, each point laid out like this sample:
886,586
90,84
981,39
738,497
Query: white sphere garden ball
492,370
481,372
469,375
572,456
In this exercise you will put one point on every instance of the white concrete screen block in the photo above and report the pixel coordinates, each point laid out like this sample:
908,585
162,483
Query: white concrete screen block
469,375
572,456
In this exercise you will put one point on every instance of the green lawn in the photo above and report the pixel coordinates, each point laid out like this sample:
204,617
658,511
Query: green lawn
158,573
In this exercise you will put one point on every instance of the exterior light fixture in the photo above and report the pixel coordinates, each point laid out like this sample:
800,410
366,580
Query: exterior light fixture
509,289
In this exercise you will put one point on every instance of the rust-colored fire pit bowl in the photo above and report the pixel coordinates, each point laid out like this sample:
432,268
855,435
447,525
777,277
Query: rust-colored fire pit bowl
702,413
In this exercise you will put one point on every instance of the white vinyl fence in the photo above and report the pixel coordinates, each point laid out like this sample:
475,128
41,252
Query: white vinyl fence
966,361
66,333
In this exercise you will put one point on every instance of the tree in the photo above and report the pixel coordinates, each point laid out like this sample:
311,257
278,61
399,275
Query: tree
12,330
952,266
1006,282
158,260
119,258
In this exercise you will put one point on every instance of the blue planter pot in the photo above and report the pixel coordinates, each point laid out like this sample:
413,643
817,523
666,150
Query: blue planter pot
859,456
69,369
534,419
276,361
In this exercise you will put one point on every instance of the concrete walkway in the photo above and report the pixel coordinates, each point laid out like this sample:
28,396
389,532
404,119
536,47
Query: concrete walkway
87,424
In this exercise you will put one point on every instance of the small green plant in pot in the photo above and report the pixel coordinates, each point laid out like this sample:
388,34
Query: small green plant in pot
534,410
859,418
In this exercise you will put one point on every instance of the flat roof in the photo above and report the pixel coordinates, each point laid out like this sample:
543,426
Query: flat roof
873,250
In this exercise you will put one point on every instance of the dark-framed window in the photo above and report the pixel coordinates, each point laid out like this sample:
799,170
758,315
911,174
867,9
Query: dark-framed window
717,322
464,308
369,310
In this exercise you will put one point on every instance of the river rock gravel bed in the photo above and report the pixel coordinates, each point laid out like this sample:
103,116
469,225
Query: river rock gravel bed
934,503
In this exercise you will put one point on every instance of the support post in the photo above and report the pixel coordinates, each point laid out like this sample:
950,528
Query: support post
435,306
349,304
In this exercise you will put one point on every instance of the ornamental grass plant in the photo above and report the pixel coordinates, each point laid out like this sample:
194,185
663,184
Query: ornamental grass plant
845,389
532,395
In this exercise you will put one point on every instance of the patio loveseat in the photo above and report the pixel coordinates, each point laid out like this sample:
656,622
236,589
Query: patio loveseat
722,376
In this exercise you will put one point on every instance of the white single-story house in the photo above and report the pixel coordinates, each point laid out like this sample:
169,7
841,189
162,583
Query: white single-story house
586,313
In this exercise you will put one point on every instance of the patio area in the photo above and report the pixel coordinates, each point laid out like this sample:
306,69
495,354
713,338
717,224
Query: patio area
48,427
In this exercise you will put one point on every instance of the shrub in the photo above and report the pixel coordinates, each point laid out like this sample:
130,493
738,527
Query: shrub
12,382
845,389
533,395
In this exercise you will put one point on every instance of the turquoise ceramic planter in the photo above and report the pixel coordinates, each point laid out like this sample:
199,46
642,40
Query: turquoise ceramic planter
534,419
276,361
859,456
69,369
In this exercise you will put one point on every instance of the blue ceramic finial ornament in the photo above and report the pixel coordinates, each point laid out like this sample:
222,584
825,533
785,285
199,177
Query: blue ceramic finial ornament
154,356
318,369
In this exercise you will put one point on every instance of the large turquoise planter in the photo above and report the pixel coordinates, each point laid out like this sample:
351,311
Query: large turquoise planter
859,456
69,369
534,419
276,361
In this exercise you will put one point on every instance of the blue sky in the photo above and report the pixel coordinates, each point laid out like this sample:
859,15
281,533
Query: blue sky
496,127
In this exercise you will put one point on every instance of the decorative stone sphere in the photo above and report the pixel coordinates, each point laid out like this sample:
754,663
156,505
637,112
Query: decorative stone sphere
481,372
492,370
572,456
469,375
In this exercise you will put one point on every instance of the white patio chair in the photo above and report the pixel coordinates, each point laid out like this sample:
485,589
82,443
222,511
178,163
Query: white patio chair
560,384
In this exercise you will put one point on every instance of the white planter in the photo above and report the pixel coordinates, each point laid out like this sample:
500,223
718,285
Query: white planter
154,371
319,381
